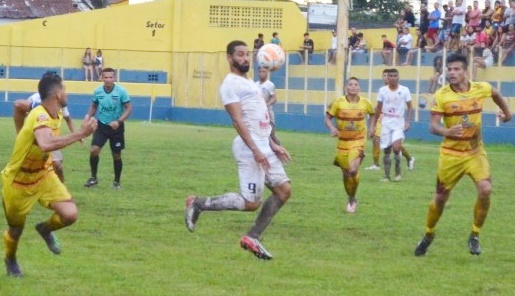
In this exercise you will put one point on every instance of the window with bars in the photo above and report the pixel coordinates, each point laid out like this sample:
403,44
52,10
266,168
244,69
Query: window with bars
245,17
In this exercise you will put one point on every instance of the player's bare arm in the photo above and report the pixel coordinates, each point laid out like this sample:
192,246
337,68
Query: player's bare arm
333,131
281,152
272,100
407,124
92,110
505,114
374,119
21,107
438,129
48,142
127,110
234,110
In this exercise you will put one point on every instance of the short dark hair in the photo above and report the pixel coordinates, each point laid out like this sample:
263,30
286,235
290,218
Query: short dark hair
232,46
48,84
306,34
274,34
393,70
353,78
386,71
457,57
383,35
110,70
260,35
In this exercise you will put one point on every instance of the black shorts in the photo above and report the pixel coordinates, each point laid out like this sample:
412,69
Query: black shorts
116,137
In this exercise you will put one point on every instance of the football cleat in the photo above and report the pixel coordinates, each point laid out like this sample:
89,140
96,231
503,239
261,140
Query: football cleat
351,206
12,267
91,182
474,247
117,186
397,178
422,246
50,239
373,168
255,247
191,213
411,163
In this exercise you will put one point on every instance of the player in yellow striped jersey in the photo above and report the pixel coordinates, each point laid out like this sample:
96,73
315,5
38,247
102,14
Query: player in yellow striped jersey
460,105
29,178
351,113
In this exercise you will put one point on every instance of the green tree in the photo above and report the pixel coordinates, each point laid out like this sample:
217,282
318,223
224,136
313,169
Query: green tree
374,10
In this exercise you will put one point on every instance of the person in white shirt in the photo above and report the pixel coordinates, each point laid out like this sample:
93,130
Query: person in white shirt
260,160
334,48
392,102
23,107
487,60
404,43
268,89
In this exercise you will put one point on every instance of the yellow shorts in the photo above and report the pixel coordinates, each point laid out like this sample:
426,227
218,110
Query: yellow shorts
452,168
343,159
18,202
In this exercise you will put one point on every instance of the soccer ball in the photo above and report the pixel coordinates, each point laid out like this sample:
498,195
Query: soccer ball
422,102
271,57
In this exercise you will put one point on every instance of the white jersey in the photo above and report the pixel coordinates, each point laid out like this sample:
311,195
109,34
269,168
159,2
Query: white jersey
268,90
236,89
35,100
394,105
460,19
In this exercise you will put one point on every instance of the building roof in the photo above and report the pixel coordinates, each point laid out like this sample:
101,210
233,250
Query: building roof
27,9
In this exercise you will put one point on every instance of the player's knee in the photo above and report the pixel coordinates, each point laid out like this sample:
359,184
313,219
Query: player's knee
252,206
15,232
94,151
485,189
69,217
283,192
117,156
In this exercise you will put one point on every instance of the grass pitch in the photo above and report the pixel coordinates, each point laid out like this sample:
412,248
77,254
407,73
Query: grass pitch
134,242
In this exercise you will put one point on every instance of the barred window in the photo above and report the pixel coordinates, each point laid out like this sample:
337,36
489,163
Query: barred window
245,17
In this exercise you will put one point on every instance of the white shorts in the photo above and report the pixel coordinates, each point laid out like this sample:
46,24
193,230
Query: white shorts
389,136
253,177
57,155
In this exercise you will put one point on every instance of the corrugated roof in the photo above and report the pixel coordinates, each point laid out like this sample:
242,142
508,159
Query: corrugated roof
26,9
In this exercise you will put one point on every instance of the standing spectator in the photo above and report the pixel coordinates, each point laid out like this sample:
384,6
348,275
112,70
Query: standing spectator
114,107
486,60
409,16
434,23
446,22
87,64
259,160
509,14
351,113
99,64
392,102
456,116
486,14
421,43
458,20
306,48
387,52
28,177
404,43
475,16
268,90
497,37
353,39
258,43
424,19
334,48
275,39
399,23
508,43
498,15
467,14
467,40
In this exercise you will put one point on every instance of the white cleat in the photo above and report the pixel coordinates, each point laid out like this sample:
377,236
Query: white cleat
411,163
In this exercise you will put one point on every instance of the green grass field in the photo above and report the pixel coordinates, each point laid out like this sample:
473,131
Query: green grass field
134,242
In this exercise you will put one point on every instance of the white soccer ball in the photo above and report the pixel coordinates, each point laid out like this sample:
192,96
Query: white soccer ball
271,57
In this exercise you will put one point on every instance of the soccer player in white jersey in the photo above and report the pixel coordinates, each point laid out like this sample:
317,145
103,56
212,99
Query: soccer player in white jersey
260,160
23,107
392,101
268,89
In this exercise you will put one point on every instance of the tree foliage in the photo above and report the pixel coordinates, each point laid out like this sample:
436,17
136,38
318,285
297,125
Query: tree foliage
374,10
